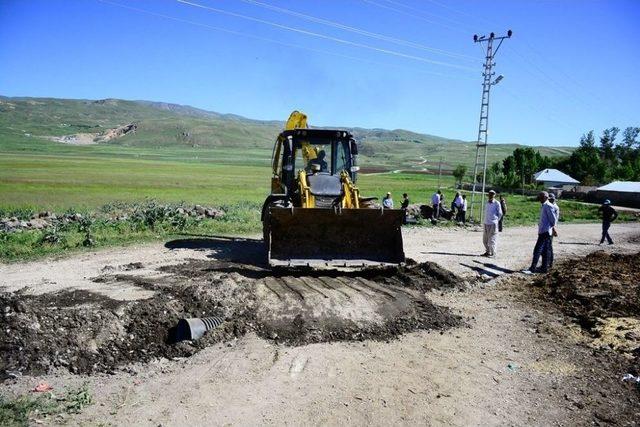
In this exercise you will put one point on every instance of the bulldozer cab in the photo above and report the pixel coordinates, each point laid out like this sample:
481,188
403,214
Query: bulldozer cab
317,152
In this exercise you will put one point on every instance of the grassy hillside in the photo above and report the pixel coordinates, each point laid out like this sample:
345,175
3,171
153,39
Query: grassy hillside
175,131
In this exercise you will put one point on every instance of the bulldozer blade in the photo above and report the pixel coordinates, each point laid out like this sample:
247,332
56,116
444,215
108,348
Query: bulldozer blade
335,238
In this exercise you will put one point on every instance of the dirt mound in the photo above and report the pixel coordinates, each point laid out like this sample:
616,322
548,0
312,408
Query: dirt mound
602,293
598,286
86,332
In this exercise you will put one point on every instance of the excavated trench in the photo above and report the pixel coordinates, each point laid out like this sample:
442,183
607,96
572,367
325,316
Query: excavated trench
87,332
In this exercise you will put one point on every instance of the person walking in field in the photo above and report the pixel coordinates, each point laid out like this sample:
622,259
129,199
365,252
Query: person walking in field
546,226
492,214
503,206
387,202
554,232
609,215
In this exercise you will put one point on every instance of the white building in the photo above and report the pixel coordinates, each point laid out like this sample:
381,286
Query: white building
623,193
553,178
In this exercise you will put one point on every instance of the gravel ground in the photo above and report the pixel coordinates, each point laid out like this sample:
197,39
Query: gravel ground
516,359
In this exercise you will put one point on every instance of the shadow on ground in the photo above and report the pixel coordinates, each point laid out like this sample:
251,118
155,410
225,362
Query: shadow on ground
239,250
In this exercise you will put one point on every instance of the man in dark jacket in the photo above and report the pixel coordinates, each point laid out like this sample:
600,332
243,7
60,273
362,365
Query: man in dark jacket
608,216
503,205
404,206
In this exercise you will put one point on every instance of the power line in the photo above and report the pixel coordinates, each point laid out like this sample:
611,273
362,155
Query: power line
252,36
324,36
413,15
360,31
580,87
415,9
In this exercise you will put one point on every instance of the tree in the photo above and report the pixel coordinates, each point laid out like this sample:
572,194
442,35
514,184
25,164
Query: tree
607,142
459,173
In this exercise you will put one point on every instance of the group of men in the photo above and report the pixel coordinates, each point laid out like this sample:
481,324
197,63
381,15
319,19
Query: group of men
387,201
458,206
547,228
494,213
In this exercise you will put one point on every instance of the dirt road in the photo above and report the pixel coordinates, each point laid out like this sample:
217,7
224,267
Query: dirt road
512,361
455,249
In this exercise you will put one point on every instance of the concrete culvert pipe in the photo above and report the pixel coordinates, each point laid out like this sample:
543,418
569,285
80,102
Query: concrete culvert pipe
195,328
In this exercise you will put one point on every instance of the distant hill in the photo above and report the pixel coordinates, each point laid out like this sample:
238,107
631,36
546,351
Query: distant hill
164,125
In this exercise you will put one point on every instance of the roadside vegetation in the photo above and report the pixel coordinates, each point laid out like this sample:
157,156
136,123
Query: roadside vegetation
134,188
591,163
43,408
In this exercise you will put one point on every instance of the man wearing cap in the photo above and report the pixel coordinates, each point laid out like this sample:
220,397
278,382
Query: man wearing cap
546,226
387,202
492,214
608,216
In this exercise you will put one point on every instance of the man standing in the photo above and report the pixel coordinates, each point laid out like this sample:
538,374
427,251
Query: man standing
492,214
554,233
404,206
463,210
435,204
387,202
456,205
546,226
503,206
608,216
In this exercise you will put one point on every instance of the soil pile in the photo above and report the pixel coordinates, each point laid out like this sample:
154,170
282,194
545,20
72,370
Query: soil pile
602,293
600,285
86,332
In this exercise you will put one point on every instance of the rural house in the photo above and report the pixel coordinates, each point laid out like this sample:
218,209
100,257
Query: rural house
553,178
623,193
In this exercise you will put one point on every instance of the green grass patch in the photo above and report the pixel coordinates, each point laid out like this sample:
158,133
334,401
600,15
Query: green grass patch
147,221
24,410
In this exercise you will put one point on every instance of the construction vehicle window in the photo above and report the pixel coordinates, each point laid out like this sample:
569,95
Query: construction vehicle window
321,160
342,157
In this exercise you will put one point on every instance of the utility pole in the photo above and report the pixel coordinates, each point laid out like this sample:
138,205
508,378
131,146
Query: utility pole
439,172
483,127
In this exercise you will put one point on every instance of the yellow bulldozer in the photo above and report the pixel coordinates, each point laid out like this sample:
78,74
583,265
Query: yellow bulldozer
315,216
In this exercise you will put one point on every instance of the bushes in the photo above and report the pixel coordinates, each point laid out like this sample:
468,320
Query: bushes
121,223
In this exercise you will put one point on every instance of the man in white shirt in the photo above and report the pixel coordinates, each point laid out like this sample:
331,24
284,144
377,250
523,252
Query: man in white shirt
387,202
463,210
492,214
435,203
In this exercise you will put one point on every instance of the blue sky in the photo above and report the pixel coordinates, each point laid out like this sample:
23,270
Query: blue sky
571,65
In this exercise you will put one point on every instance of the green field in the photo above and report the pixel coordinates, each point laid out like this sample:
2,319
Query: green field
223,161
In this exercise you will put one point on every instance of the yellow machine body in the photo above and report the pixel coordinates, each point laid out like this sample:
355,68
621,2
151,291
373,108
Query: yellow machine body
315,215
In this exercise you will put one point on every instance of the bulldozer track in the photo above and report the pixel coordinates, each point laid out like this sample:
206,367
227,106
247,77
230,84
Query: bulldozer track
277,294
305,280
349,283
335,288
295,290
375,288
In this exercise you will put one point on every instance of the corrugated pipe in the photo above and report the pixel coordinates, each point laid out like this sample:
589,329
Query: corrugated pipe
195,328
